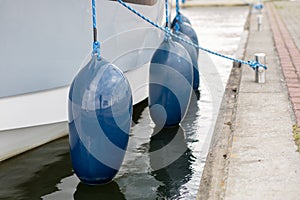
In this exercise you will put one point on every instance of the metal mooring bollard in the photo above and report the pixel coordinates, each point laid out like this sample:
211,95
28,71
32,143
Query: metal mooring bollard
260,72
259,22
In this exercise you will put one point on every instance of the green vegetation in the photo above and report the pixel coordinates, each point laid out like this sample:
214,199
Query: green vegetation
296,131
278,7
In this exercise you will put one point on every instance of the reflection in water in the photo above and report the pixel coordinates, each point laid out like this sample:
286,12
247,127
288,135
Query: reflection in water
178,172
110,190
45,180
197,94
36,173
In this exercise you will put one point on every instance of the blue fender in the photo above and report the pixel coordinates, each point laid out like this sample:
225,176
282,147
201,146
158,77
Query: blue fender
188,30
193,54
100,111
170,84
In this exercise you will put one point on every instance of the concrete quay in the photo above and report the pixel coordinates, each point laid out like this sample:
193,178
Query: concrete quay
253,154
194,3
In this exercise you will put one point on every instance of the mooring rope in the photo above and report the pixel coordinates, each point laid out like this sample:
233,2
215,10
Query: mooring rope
167,13
167,29
253,64
96,43
178,17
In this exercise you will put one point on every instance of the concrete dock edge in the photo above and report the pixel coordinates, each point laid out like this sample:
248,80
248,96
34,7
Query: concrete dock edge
207,3
212,181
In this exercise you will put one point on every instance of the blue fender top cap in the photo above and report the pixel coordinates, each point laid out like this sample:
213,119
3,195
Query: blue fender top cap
182,19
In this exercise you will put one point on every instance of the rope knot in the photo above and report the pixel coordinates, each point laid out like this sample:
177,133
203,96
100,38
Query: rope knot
168,33
177,27
254,64
258,6
96,49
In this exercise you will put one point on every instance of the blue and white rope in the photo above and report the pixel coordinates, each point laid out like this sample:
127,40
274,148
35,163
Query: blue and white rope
257,6
178,17
167,12
253,64
167,29
96,43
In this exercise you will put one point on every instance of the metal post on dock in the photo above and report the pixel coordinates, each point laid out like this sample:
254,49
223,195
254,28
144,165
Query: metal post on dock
260,72
259,22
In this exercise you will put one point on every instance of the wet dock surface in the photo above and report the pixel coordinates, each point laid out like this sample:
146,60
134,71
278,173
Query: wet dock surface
159,164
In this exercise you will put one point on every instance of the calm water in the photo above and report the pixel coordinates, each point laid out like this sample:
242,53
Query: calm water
159,164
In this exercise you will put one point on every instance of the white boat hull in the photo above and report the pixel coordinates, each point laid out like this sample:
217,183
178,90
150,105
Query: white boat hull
38,65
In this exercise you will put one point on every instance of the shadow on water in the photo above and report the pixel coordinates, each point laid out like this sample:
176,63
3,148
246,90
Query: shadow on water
45,180
39,172
138,109
36,173
197,95
171,150
107,191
